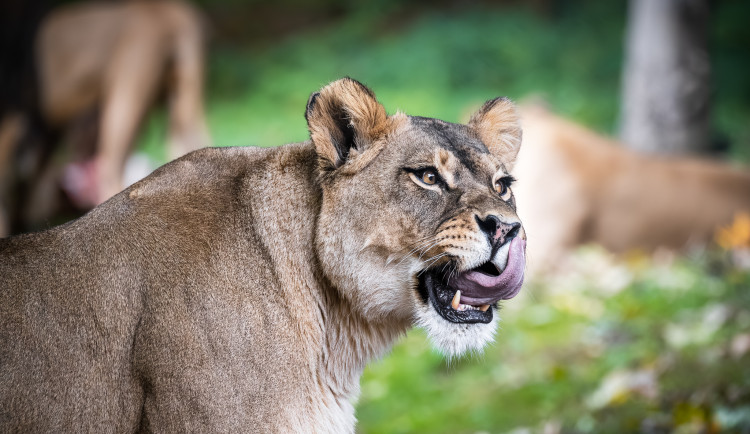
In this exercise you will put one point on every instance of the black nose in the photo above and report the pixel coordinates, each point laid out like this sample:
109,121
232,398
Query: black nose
497,231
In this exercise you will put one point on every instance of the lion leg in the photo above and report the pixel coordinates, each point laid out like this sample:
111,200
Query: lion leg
11,130
130,85
187,124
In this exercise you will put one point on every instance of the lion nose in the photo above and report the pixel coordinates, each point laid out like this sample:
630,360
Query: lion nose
498,231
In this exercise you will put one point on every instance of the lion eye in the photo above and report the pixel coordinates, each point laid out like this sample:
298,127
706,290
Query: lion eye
426,177
501,187
429,177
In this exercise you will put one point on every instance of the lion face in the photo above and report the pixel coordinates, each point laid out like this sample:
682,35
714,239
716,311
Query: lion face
418,218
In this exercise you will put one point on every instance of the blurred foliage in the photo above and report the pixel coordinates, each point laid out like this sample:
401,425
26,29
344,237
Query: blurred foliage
605,347
737,234
730,55
440,64
444,62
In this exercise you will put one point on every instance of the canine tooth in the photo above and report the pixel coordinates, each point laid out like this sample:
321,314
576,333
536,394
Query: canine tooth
484,307
456,300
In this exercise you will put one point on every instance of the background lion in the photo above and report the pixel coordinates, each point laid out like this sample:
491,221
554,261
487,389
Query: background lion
101,68
590,189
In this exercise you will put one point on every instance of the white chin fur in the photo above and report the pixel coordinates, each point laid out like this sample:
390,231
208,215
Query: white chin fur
451,339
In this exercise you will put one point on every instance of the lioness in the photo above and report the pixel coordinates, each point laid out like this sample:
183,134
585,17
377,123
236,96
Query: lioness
600,192
101,68
117,57
244,289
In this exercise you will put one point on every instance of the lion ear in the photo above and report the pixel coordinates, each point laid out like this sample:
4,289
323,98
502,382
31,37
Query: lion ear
497,125
342,117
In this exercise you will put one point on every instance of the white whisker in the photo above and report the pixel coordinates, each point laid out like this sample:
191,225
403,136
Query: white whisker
431,242
432,261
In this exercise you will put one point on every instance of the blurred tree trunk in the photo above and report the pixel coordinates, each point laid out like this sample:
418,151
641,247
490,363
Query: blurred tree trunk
666,83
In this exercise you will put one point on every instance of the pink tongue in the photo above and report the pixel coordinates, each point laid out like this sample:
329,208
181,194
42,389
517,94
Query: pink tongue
479,288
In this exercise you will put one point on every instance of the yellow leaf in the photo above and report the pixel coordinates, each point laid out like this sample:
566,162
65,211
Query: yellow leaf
736,235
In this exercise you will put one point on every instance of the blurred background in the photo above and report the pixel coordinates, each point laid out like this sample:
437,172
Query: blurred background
633,179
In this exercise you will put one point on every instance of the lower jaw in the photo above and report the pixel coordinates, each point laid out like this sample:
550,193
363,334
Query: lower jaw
430,285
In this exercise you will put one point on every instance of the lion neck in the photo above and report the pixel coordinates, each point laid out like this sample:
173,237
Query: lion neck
341,340
350,342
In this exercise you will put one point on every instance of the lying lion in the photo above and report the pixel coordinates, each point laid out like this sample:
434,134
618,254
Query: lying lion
589,189
244,289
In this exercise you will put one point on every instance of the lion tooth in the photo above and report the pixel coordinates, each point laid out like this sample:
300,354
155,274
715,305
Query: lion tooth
484,307
456,300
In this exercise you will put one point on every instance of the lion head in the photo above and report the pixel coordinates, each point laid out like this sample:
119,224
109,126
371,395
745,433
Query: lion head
418,219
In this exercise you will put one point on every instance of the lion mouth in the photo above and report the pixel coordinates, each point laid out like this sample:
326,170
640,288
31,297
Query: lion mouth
469,296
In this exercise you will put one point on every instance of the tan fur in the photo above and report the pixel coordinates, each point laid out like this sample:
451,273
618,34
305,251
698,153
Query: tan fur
505,142
117,56
447,164
242,289
11,130
341,100
582,187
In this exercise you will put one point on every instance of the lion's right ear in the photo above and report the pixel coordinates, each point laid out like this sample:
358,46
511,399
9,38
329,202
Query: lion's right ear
497,125
342,117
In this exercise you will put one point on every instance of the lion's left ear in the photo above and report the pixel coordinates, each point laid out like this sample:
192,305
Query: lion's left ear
498,126
344,119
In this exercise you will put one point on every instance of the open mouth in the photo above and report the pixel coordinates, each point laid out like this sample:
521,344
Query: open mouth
469,296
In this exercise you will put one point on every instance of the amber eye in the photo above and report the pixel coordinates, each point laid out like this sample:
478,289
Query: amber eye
502,189
429,177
